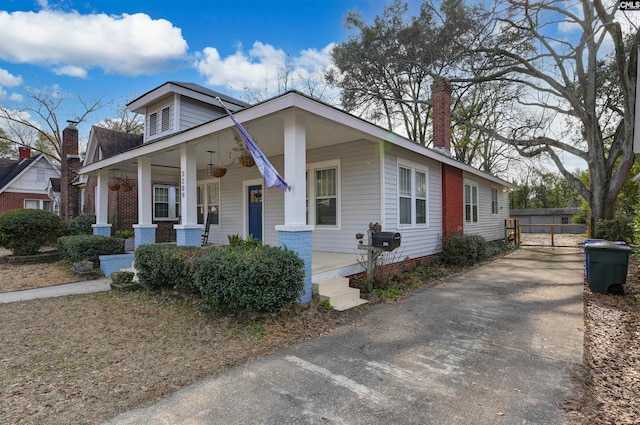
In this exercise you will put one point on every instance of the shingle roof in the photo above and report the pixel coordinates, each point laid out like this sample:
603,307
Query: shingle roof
9,169
204,90
112,142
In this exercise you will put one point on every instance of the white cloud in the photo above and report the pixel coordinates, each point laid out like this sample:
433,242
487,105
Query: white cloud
9,80
263,68
72,71
16,97
125,44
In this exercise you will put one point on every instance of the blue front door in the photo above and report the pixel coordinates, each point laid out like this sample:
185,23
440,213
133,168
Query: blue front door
255,211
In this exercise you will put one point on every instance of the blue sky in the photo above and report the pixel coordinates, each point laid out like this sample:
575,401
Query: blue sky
117,50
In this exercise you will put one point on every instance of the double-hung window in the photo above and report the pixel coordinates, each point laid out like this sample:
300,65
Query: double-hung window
209,203
470,203
324,193
37,204
494,200
412,196
166,203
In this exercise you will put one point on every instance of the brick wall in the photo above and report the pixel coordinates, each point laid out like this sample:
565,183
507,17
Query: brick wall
452,200
15,200
70,164
441,93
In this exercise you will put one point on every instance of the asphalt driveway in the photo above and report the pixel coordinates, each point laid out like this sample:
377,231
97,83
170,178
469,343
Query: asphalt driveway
494,345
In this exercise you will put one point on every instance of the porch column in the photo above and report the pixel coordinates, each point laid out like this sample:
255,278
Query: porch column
102,228
188,232
145,230
295,234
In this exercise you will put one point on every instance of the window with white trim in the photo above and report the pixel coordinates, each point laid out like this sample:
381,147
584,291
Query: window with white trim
160,121
470,203
166,203
494,200
412,196
209,203
324,192
37,204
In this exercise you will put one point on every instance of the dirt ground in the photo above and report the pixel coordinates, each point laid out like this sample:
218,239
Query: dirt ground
84,359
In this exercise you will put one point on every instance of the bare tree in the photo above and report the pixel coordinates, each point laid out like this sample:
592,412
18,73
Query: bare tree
38,125
576,66
127,122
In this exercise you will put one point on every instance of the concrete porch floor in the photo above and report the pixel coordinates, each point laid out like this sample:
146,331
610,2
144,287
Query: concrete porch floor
325,265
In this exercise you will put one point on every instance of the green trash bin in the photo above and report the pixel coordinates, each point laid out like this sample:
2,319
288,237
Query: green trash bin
607,266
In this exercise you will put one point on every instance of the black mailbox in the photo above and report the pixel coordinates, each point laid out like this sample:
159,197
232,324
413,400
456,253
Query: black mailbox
385,240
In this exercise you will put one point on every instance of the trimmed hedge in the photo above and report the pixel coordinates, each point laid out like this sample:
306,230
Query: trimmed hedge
81,225
88,247
166,265
259,278
463,250
24,232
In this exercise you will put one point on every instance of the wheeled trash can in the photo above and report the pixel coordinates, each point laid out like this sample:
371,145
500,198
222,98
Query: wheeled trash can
607,264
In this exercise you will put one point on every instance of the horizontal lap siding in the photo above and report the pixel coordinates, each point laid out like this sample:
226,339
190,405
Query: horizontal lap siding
360,193
193,112
490,226
417,241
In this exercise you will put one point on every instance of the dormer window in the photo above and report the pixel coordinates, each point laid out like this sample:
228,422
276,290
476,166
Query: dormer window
160,122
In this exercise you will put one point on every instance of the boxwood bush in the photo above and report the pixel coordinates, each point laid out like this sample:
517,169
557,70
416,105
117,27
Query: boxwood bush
258,278
463,250
24,232
88,247
166,265
81,225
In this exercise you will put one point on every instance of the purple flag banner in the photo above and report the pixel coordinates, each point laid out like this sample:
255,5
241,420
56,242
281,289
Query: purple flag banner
271,176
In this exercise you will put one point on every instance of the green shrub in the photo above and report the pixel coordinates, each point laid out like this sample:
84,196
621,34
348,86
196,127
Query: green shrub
236,241
88,247
258,278
463,250
616,229
498,247
124,234
81,225
24,232
166,265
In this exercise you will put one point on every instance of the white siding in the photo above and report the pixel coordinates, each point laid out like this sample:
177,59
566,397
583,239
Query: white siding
490,226
193,112
419,240
35,179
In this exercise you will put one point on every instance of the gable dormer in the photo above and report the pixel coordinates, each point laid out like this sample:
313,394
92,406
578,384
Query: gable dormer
177,106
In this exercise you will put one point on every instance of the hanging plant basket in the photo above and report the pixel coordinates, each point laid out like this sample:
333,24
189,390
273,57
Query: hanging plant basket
217,171
246,161
126,186
114,186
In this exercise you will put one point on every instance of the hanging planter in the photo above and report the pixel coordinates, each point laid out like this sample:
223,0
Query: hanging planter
241,151
126,186
114,185
214,170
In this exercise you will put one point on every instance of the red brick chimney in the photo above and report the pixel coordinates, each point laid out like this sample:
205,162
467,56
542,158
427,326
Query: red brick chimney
441,93
70,163
23,153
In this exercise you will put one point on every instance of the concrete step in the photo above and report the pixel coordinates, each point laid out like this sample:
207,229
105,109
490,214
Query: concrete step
326,287
133,270
343,299
355,303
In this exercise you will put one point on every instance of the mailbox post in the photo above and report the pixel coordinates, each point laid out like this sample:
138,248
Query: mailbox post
378,242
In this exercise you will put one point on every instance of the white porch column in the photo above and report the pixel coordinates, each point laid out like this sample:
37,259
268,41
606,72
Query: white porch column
101,227
295,234
145,230
189,232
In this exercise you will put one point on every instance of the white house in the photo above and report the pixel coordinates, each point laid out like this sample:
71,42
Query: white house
343,172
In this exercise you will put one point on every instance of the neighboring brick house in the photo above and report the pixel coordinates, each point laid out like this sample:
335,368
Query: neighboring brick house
28,182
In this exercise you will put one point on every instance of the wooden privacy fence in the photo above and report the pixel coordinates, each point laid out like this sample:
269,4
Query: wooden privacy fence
513,229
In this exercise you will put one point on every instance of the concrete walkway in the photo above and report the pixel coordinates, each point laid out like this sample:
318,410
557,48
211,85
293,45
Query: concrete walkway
494,345
87,287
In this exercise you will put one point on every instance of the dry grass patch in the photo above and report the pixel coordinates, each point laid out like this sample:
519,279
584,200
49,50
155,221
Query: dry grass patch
85,359
19,277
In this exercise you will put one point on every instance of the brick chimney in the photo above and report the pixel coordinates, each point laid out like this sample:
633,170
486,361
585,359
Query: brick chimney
441,93
70,163
23,153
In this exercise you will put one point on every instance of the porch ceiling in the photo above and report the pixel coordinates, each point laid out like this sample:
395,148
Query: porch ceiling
268,133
